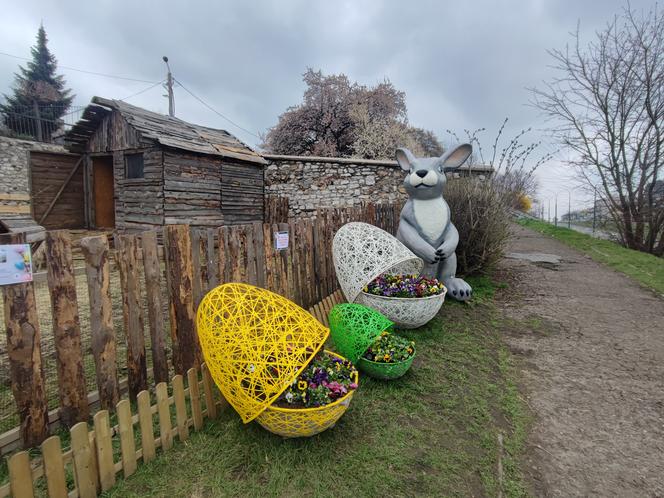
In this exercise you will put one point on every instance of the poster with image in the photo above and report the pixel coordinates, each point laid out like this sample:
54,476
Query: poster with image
15,264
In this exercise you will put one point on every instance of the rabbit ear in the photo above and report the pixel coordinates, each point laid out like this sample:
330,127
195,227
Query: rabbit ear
456,157
405,159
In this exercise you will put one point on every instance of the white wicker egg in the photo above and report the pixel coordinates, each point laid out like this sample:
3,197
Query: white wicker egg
361,252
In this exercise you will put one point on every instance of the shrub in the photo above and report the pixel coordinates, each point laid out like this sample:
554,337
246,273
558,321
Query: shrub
524,203
480,209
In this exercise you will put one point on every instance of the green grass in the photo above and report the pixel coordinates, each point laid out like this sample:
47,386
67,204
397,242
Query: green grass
607,225
644,268
433,432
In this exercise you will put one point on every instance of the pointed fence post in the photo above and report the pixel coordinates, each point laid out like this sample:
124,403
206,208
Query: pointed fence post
66,329
95,250
132,311
152,270
177,249
26,368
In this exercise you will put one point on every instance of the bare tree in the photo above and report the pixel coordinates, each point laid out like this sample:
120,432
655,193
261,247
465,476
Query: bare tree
514,162
607,106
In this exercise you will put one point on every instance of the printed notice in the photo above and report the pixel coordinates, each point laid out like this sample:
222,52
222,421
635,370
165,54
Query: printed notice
281,241
15,264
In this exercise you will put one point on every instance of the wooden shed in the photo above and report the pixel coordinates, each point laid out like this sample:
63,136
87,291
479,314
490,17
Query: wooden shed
142,169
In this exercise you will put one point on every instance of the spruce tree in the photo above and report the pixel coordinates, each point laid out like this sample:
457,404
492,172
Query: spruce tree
38,92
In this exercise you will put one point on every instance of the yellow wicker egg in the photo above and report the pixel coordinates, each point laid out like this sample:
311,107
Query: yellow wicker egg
255,343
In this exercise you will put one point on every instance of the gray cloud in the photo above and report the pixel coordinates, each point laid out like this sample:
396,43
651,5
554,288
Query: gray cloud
462,64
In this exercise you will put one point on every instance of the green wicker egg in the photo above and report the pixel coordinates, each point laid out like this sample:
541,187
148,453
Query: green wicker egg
354,328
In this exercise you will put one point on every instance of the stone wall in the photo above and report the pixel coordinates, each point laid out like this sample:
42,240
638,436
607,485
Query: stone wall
15,168
318,182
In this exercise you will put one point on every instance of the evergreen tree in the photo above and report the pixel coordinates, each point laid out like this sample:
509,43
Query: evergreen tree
38,93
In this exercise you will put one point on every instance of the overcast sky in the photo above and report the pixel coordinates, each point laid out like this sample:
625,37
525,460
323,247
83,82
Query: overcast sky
461,64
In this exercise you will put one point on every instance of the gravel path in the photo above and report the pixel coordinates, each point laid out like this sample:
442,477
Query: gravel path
593,373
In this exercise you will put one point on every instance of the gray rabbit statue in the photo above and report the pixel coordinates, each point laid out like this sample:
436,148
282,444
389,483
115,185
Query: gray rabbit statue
425,226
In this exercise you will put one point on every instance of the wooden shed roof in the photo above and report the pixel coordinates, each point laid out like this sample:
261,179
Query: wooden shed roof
165,130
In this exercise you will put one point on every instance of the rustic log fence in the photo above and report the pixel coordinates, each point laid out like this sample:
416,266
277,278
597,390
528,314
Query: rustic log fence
275,209
192,262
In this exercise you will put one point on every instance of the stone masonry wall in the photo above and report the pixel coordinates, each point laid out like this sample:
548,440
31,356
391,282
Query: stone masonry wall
317,182
15,166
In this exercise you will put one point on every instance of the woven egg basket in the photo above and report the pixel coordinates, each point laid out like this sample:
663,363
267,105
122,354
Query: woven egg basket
354,328
255,344
361,252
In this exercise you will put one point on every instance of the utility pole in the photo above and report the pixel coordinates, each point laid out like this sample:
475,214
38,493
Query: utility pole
555,219
169,87
569,209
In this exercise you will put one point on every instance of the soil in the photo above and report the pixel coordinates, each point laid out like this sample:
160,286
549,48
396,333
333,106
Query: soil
592,368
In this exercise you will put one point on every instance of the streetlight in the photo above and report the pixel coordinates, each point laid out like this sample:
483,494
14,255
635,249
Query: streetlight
548,209
569,205
555,195
169,87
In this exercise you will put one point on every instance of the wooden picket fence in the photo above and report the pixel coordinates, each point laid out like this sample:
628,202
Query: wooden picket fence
194,261
90,459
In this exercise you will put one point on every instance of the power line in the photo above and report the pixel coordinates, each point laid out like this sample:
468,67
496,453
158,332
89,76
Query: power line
144,90
152,85
84,71
215,111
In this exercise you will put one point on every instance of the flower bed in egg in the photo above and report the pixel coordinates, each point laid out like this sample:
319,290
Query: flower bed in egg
324,380
389,357
409,286
294,418
407,300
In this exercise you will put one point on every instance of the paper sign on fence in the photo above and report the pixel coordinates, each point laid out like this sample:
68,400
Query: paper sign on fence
15,264
280,240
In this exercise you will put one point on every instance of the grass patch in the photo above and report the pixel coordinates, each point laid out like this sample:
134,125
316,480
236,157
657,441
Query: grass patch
433,432
645,268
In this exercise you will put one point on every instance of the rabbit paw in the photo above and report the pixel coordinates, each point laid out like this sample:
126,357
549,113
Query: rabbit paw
458,289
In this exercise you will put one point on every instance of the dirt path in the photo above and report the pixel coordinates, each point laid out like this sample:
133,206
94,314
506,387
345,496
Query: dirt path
593,369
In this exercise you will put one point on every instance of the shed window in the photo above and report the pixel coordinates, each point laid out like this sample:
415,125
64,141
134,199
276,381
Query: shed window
133,166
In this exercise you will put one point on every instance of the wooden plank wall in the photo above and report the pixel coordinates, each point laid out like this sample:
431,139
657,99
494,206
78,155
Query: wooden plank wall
114,133
139,202
48,172
192,189
242,192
